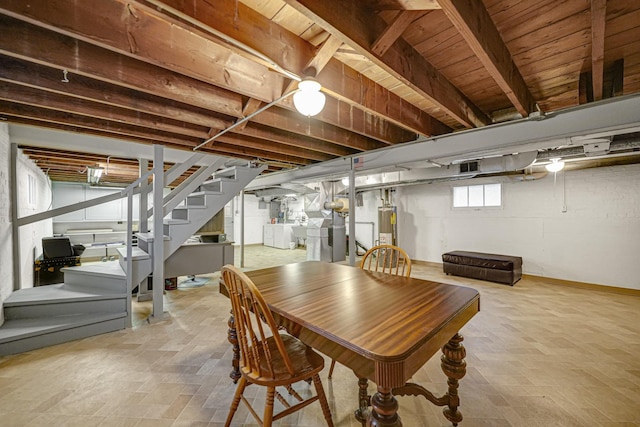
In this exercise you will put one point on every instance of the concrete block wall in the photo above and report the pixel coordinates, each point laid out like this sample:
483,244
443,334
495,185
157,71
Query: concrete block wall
596,239
30,235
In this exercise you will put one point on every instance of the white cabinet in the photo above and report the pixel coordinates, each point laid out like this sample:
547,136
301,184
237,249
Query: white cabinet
278,235
65,194
267,235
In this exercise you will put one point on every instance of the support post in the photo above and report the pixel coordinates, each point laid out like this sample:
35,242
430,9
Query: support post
158,232
352,216
15,228
143,225
242,229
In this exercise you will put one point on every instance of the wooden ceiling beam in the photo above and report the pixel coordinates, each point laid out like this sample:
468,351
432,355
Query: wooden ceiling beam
393,32
54,50
140,32
598,20
50,100
310,127
251,106
110,128
475,25
402,4
357,27
258,131
295,54
49,79
62,52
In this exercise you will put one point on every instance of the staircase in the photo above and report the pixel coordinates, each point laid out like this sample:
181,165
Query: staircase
95,298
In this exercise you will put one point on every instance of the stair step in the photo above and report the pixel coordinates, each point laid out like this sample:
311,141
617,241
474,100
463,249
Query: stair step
110,269
227,173
52,294
174,221
206,193
102,277
20,335
61,300
136,253
148,237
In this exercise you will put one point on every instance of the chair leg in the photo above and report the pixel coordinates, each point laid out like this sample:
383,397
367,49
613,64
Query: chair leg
267,419
323,400
236,400
333,365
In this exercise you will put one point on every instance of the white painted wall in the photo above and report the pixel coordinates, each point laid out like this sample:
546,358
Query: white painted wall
253,221
30,235
597,240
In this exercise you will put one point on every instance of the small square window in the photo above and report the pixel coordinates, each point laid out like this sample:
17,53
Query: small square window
474,196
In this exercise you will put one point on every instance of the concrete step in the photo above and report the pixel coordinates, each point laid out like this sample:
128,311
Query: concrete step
20,335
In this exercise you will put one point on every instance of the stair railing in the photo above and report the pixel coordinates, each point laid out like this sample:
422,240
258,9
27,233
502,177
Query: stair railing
128,192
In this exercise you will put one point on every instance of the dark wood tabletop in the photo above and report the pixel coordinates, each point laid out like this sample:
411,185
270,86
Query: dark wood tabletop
383,327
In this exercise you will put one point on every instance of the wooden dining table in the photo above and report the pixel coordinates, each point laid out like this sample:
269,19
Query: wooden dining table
383,327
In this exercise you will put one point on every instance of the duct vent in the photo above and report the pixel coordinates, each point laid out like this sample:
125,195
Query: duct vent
468,167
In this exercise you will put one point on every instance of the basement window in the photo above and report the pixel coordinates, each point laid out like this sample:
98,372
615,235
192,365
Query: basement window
476,196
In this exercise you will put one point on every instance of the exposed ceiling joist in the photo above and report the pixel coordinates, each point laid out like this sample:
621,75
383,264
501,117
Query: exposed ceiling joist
474,24
346,20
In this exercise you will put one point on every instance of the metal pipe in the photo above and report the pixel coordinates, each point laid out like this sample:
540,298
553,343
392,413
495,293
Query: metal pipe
244,119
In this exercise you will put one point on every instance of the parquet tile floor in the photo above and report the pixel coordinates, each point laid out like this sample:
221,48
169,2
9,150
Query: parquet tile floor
538,354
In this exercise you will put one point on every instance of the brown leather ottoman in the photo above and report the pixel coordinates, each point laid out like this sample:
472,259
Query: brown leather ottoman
477,265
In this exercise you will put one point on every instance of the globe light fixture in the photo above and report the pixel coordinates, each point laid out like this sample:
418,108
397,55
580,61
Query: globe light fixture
309,101
555,166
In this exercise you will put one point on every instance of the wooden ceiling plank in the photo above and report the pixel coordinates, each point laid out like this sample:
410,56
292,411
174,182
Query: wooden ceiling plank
59,51
143,33
49,79
475,25
598,20
261,132
62,52
358,28
388,37
283,119
249,142
295,54
56,101
403,4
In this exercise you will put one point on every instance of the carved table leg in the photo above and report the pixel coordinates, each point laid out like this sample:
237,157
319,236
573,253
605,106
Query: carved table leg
232,337
363,401
384,410
454,367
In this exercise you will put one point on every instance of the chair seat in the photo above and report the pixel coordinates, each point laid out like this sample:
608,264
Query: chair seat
305,361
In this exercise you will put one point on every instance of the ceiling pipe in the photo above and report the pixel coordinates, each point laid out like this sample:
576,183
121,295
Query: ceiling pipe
612,116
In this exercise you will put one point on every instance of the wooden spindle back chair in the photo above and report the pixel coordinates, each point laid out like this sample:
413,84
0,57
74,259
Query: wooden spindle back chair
267,357
388,259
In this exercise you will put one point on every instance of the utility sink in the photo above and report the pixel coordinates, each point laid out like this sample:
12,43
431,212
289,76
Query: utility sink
299,231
